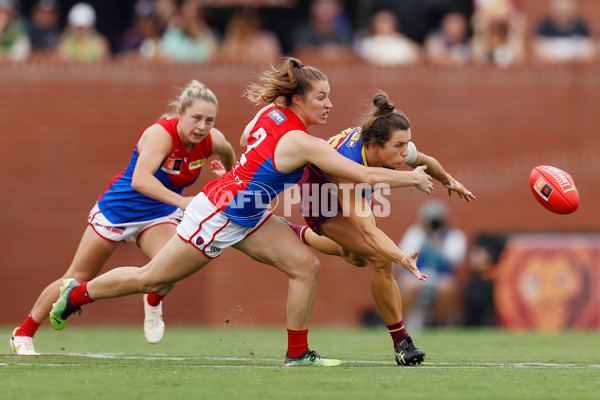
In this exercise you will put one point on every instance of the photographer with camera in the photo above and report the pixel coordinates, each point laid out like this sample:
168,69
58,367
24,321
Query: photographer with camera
442,250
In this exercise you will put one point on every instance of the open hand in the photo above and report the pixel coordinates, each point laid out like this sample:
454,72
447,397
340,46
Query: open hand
455,186
410,263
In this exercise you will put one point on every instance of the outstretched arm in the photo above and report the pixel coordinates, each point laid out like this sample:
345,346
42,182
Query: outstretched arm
436,171
296,149
361,217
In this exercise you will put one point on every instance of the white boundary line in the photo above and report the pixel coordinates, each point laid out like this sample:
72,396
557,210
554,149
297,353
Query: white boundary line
373,364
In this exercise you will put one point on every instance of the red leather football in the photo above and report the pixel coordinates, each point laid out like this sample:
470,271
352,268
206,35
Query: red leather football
554,189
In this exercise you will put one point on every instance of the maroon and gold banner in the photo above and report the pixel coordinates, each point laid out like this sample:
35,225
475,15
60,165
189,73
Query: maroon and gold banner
549,282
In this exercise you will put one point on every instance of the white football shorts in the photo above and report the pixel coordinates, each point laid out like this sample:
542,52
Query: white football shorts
127,232
209,230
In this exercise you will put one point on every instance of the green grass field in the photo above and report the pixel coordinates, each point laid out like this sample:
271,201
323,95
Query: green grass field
236,362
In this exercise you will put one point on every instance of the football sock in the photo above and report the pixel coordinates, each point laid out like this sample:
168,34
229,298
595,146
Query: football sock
299,229
301,232
297,342
154,299
79,295
28,328
397,332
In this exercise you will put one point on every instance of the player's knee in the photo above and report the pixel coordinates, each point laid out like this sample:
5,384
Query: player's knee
312,267
149,283
82,276
354,259
307,267
154,287
383,267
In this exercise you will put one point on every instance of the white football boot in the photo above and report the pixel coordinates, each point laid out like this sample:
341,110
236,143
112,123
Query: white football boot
22,345
154,326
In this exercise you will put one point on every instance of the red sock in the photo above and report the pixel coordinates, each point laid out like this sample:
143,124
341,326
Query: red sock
154,299
28,328
79,295
297,342
397,332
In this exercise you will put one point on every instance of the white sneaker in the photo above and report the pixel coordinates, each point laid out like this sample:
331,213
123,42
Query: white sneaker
154,326
22,345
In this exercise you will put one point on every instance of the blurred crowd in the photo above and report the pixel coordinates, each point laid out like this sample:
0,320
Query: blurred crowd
388,32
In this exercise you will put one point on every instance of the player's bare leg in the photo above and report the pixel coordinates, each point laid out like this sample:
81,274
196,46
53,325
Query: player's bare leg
300,264
175,261
91,255
151,241
384,288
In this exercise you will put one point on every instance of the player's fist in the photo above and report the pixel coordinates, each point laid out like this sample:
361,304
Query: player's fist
217,167
424,182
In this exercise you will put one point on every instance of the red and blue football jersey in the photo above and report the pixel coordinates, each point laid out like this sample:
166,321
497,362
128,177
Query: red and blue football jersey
244,192
121,203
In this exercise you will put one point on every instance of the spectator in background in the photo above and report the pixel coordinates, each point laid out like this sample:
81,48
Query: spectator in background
166,14
44,27
246,42
81,42
327,35
498,33
442,250
479,292
141,41
190,40
450,43
563,36
385,45
14,41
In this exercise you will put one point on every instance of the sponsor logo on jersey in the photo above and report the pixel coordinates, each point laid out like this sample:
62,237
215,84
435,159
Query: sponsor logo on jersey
543,189
353,139
277,116
196,164
215,248
172,166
